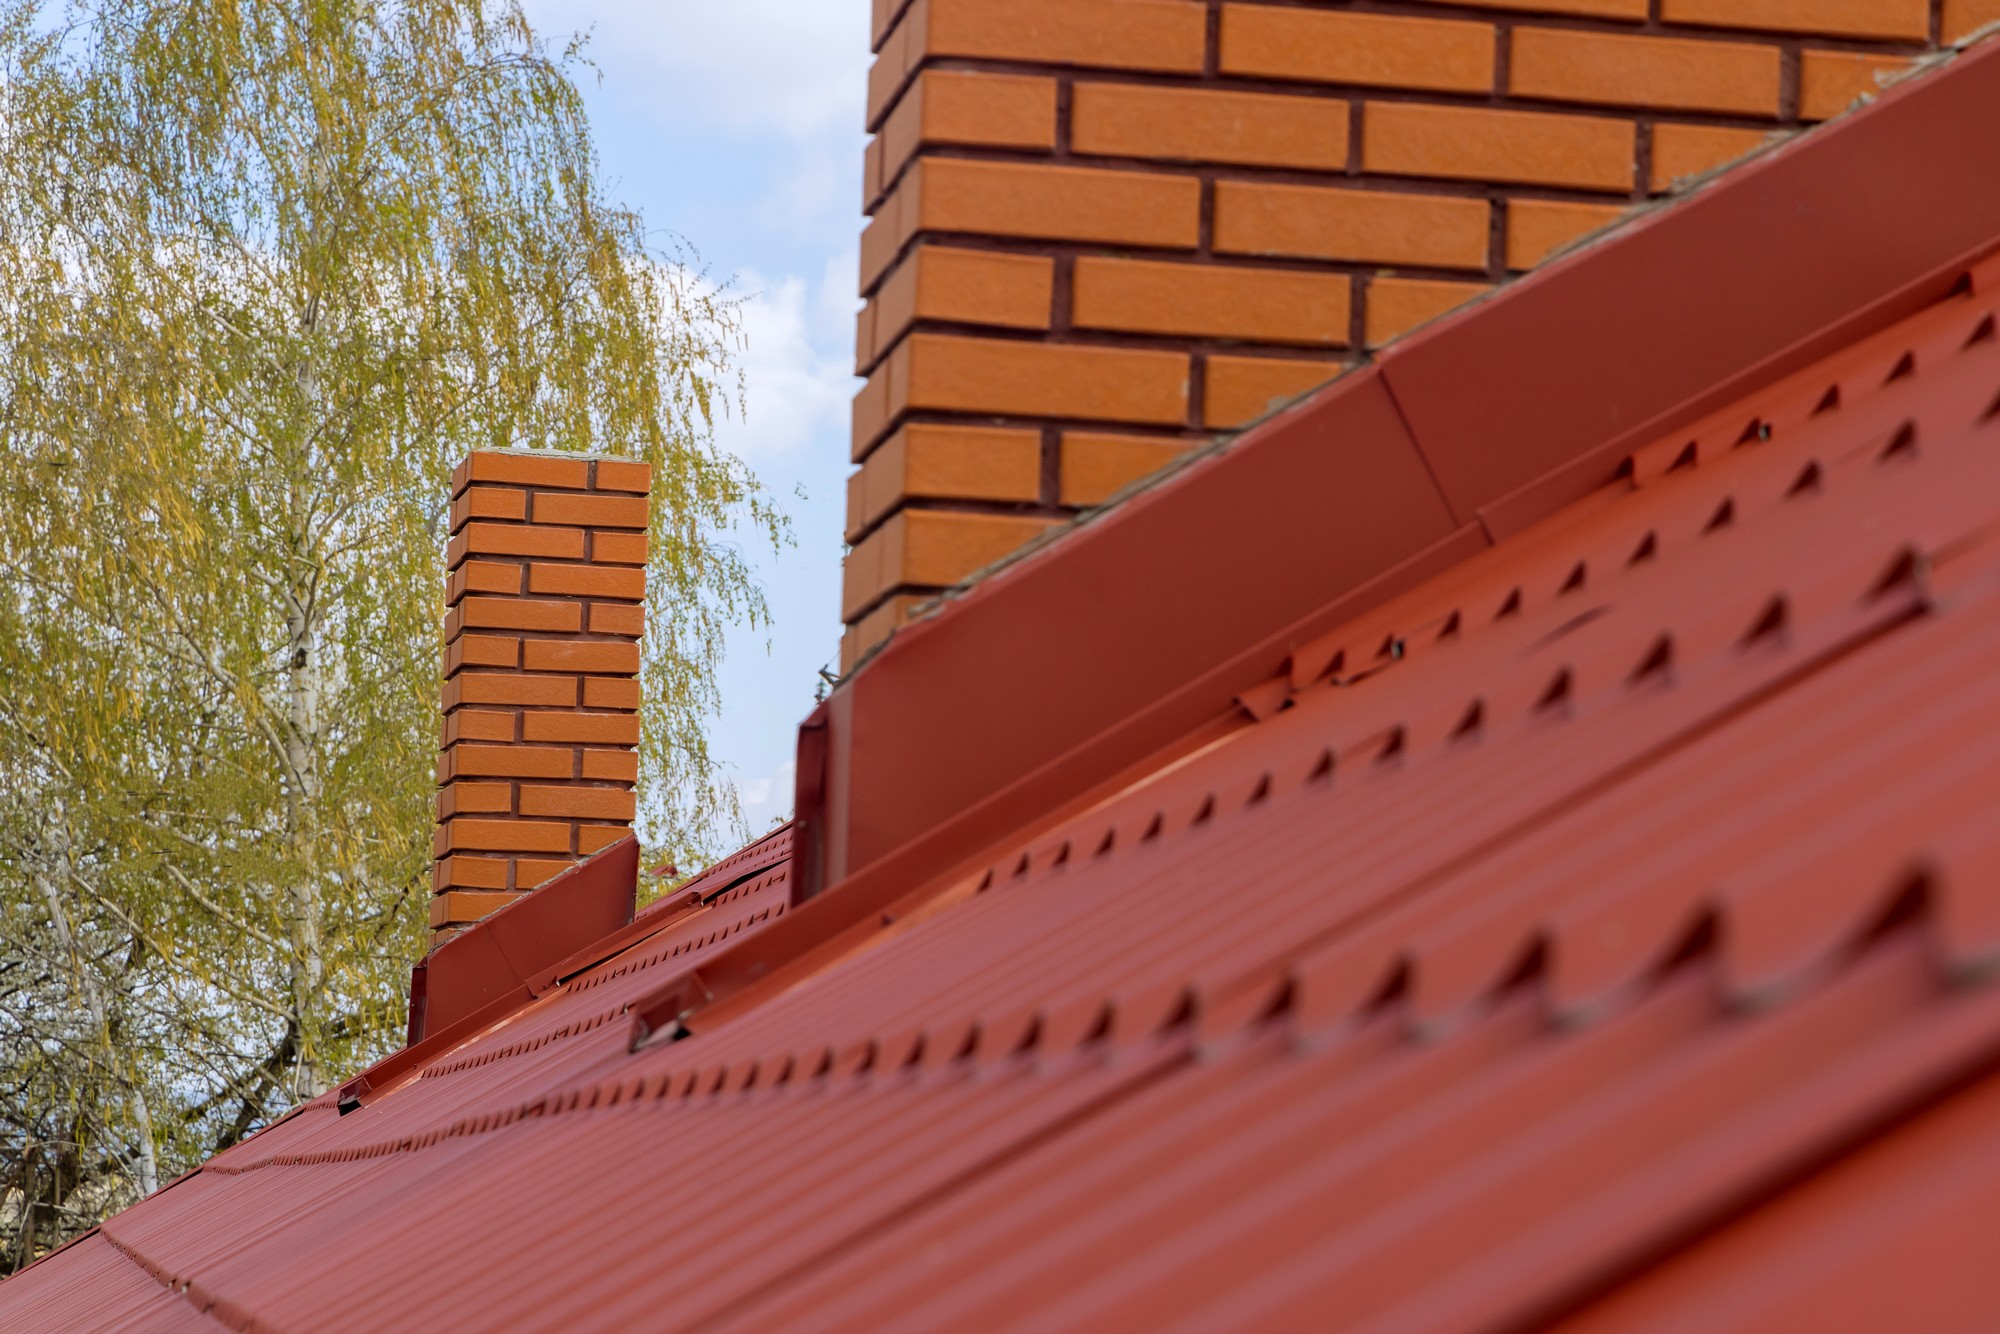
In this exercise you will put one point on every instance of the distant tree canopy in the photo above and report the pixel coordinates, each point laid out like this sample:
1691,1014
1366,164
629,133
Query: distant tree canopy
266,271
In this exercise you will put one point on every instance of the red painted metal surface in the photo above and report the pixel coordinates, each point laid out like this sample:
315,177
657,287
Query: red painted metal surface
1604,931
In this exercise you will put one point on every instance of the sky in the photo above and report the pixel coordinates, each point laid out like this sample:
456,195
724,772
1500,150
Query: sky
737,124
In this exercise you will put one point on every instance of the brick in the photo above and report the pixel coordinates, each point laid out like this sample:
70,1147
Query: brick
479,576
580,803
622,475
1962,18
481,651
586,729
1536,228
932,548
618,548
877,625
488,502
1635,10
505,835
510,688
965,107
1199,125
460,798
982,375
1439,55
514,761
1905,19
612,766
1164,35
961,286
471,872
1256,305
1095,466
1239,390
1832,81
480,613
534,872
595,838
521,469
601,692
513,539
613,619
590,511
478,725
1055,203
1566,65
1477,144
1397,305
1372,226
1681,152
460,907
947,463
589,655
594,581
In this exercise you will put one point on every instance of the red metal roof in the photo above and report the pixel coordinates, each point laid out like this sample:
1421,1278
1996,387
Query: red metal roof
1601,931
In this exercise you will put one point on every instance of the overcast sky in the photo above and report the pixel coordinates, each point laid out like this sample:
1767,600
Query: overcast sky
737,124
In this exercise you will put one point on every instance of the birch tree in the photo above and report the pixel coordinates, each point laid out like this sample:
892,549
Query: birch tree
266,271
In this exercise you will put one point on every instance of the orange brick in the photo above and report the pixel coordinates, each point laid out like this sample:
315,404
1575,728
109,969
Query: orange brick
1476,144
534,872
1536,228
1257,305
1962,18
1096,466
520,614
887,617
931,548
521,469
587,729
1906,19
612,619
962,286
481,651
513,539
478,725
478,576
1054,203
579,803
1440,55
1681,152
1241,389
1569,66
595,581
1396,305
1607,9
504,835
1832,81
595,838
589,655
488,502
590,511
1165,35
982,375
963,107
514,761
948,463
603,692
471,872
618,548
509,688
457,907
614,766
1375,226
474,799
1197,125
622,475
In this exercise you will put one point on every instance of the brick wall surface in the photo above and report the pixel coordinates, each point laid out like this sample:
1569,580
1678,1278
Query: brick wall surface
1102,230
537,763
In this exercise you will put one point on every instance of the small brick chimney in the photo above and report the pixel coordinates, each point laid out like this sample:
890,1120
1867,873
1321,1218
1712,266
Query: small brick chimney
1102,231
541,694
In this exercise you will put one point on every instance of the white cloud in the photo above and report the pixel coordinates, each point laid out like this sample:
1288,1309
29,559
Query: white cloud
798,363
769,798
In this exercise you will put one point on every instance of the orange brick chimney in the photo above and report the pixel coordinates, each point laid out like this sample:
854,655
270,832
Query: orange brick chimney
541,691
1103,231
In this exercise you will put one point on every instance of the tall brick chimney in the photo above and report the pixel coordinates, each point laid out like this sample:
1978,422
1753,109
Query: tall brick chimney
1104,230
541,691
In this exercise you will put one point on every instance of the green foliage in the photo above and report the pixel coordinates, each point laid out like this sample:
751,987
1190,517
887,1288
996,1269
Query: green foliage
266,271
